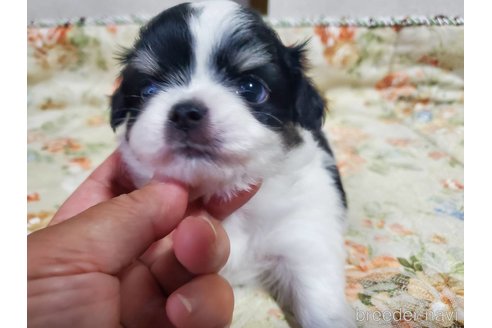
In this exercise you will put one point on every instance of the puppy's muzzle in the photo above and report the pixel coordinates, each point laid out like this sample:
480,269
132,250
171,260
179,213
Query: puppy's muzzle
188,116
189,130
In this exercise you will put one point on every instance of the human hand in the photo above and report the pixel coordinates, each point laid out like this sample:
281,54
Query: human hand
115,264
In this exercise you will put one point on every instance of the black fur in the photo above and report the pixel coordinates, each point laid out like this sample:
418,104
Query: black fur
319,136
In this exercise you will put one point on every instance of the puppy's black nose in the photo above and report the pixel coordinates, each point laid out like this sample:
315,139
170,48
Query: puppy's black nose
187,116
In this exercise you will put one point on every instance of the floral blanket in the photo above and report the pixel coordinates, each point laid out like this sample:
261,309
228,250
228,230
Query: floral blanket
395,121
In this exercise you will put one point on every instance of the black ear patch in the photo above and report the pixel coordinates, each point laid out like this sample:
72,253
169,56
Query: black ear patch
118,112
309,105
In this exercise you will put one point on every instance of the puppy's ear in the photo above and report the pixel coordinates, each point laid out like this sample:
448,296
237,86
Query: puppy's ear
118,111
118,108
309,105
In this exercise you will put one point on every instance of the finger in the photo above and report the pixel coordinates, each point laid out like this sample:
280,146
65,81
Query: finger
164,245
206,301
199,246
220,208
142,302
107,181
167,270
109,236
169,273
157,249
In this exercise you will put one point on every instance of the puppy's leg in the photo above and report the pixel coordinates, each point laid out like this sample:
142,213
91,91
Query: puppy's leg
308,276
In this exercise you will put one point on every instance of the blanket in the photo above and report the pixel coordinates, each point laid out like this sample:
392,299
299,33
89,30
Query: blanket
395,121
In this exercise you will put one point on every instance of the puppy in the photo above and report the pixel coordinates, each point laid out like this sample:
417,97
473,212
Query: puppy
211,97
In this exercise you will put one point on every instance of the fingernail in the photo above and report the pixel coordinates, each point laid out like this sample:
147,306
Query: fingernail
186,303
204,218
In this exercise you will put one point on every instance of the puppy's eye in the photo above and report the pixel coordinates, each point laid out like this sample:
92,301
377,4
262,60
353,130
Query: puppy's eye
149,90
253,90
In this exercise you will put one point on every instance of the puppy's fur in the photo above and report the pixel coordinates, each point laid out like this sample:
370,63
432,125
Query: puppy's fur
211,97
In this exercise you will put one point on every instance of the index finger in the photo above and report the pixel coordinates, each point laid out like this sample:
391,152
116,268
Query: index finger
107,181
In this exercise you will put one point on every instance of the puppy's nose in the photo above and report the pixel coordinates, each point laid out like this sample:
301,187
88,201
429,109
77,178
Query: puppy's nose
187,116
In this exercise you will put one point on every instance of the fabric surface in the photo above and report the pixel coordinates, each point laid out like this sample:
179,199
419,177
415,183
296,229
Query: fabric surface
395,122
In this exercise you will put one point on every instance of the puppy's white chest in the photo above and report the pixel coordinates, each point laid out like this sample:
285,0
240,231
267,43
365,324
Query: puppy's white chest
290,212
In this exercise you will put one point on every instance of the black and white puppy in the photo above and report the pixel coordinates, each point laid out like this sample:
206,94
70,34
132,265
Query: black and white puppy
210,96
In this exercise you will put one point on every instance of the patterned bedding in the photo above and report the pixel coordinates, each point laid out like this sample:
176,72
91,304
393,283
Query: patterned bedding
395,121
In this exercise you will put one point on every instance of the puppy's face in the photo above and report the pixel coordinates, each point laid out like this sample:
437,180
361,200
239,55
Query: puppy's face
210,96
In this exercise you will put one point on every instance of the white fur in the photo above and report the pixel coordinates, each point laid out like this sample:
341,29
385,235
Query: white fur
289,236
217,20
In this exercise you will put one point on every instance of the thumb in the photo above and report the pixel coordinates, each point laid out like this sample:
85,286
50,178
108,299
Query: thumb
109,236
